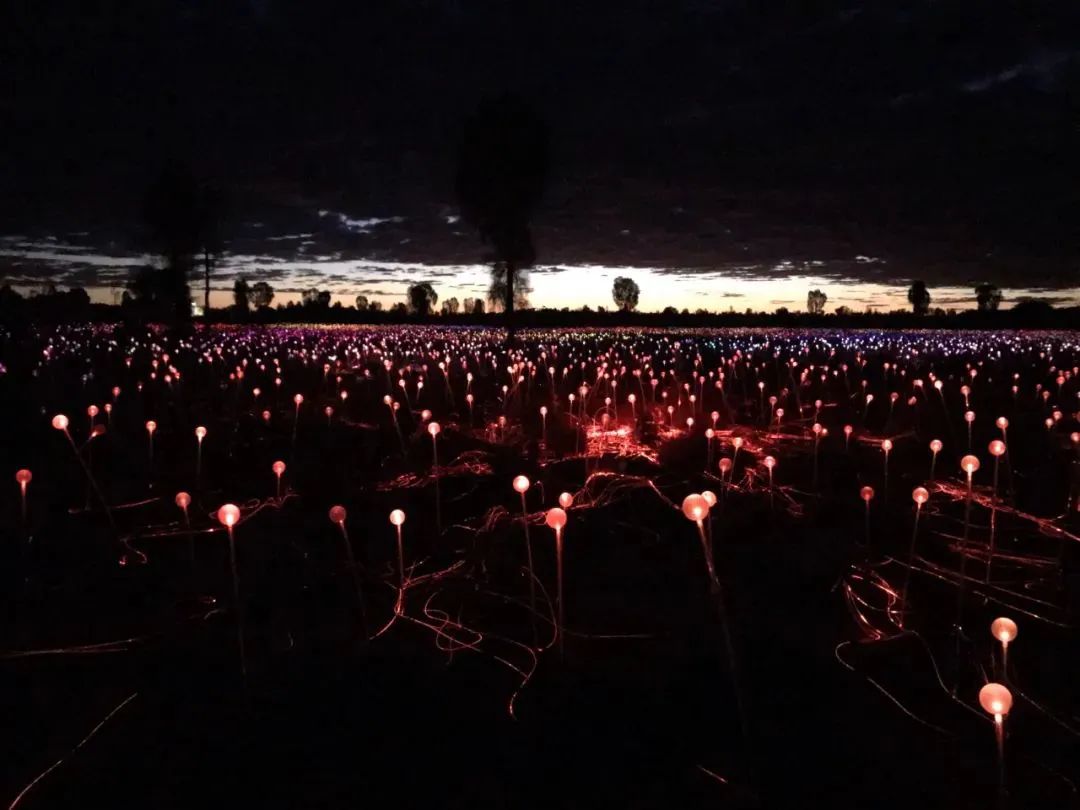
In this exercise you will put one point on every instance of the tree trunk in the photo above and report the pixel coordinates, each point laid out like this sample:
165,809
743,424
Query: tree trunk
206,291
509,308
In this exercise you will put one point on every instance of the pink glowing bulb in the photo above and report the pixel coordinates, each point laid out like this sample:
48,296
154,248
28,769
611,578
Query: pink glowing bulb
565,500
151,426
555,518
1004,630
867,494
23,477
298,399
60,422
183,500
521,484
695,507
200,433
92,411
710,497
397,517
337,514
816,429
266,417
737,442
228,515
996,700
848,430
997,448
1002,423
887,445
920,495
425,415
935,446
278,467
770,462
434,429
969,416
969,464
725,466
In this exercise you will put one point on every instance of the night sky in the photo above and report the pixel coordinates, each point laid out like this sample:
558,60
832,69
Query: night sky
721,153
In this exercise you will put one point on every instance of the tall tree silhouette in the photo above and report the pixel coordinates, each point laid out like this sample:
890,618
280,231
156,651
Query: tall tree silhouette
988,297
919,297
183,217
502,167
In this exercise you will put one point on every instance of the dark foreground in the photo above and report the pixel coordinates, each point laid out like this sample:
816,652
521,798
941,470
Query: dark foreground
845,696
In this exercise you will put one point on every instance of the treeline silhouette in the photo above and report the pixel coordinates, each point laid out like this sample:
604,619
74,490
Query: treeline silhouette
52,306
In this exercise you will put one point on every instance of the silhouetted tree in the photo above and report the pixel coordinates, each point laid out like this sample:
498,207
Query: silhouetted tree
375,306
988,297
476,307
422,298
843,310
670,311
261,294
626,293
315,298
361,303
183,219
399,309
815,302
451,306
241,291
502,166
919,297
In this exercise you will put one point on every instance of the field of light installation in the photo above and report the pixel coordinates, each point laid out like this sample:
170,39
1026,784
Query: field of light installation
301,567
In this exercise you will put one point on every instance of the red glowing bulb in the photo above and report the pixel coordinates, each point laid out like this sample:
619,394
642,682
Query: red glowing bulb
920,495
695,507
23,477
555,518
997,448
995,699
725,466
92,411
228,515
1004,630
866,493
969,464
278,467
183,500
337,514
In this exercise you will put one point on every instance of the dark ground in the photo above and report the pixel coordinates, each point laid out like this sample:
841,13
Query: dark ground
330,720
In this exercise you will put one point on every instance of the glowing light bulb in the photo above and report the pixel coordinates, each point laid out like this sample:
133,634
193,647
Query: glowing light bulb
23,477
920,495
278,467
710,497
183,500
997,448
521,484
725,466
565,500
200,433
397,517
555,518
969,464
770,463
935,446
996,700
434,429
337,514
60,422
1004,630
695,507
151,426
867,494
228,515
887,445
